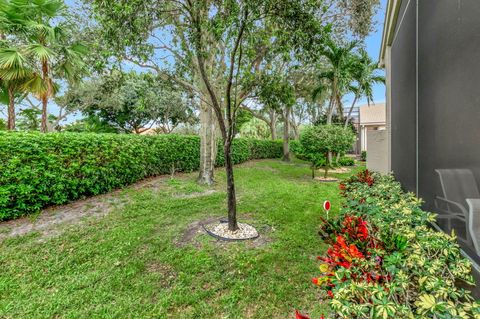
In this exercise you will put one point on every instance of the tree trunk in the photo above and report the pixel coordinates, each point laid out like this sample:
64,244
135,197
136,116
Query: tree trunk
296,132
11,109
273,129
331,105
44,128
347,120
273,124
208,145
330,114
232,202
286,135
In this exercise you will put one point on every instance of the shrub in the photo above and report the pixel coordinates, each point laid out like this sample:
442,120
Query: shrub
363,156
318,141
50,169
384,260
346,161
297,150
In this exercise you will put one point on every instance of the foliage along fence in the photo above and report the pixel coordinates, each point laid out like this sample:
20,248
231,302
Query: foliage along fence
37,170
384,261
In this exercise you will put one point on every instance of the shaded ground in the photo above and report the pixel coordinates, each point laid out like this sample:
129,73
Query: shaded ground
138,252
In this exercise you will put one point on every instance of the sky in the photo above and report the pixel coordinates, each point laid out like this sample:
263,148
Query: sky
373,42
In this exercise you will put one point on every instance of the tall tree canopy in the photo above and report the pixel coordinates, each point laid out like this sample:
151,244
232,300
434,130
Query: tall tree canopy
131,101
219,44
37,51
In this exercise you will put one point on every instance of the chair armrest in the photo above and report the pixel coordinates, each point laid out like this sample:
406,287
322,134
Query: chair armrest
463,212
473,203
474,222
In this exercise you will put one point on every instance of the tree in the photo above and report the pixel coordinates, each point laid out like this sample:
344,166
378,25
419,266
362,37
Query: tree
277,94
14,78
364,73
318,141
131,101
337,76
256,129
46,42
336,120
91,124
29,119
14,70
361,13
225,42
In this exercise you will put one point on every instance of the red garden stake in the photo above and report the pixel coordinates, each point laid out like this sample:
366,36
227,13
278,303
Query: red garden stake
327,206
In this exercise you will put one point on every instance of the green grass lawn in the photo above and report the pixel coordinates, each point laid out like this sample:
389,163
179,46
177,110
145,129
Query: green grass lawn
133,262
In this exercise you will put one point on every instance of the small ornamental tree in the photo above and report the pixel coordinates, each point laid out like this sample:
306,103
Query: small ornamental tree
318,141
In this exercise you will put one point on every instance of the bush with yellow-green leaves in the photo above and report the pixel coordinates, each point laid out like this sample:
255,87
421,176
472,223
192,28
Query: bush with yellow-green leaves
385,261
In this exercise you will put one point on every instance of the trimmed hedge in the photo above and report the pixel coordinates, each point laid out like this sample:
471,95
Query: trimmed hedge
38,170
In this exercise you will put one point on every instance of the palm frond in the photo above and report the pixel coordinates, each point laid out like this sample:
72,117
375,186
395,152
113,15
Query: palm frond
36,85
41,52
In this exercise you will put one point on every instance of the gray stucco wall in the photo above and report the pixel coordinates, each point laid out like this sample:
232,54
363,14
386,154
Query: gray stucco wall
449,89
442,84
377,154
403,98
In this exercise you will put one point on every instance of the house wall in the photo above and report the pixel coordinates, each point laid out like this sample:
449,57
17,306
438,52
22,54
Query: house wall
403,97
434,94
377,145
449,90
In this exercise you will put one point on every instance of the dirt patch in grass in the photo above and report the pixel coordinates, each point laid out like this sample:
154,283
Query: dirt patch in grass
49,221
340,170
168,275
326,179
196,194
194,231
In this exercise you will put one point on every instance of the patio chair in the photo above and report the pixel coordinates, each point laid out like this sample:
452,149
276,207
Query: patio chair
460,204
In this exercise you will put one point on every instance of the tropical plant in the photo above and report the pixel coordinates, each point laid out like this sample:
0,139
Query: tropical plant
47,43
336,75
384,261
318,141
15,75
365,75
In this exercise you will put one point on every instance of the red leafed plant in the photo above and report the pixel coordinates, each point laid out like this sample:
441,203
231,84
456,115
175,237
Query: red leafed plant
352,245
355,227
298,315
365,177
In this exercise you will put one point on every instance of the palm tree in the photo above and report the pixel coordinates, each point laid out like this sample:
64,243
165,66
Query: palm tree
337,74
364,72
49,46
14,76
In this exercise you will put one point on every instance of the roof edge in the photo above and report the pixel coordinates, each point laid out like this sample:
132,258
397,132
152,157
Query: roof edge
391,16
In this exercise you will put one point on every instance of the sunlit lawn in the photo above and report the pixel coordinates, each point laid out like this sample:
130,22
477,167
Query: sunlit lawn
133,263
